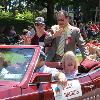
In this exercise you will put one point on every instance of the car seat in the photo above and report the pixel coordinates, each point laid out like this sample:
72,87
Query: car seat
87,65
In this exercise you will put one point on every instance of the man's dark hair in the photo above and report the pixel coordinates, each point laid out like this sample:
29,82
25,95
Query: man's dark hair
64,12
42,58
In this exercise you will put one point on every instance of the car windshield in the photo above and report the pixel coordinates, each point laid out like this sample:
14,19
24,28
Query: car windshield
14,62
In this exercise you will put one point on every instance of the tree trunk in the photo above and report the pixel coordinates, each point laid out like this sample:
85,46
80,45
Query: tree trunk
5,4
50,12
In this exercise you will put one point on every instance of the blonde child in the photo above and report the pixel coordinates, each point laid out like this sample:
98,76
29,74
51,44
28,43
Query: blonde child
70,64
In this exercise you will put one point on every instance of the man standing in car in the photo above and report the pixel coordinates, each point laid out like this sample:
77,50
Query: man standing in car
64,38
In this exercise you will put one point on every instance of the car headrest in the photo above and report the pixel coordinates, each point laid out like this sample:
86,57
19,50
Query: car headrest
87,65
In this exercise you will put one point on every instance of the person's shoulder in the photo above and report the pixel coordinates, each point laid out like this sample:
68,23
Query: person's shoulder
75,29
46,67
49,68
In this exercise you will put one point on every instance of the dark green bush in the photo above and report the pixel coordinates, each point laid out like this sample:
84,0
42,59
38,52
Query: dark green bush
19,21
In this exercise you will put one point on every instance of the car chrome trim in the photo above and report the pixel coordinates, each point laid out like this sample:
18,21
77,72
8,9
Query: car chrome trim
90,86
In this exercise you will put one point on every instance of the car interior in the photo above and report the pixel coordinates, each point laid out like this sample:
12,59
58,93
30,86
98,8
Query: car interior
85,66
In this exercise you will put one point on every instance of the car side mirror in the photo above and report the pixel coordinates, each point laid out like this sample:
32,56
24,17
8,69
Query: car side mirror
40,78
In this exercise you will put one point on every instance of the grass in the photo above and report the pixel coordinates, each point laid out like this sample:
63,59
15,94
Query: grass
14,57
79,56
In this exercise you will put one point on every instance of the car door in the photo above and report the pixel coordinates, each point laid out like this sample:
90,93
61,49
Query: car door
39,88
95,76
87,86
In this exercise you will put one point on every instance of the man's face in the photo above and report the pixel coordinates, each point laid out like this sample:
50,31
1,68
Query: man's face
62,20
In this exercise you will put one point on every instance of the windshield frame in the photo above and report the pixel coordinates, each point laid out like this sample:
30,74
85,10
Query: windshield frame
34,48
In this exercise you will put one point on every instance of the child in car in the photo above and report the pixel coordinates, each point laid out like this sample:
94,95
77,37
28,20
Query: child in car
70,64
56,74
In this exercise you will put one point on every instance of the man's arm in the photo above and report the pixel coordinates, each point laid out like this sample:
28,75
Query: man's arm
81,44
54,32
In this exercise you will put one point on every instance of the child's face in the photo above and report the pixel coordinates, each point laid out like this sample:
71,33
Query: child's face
69,63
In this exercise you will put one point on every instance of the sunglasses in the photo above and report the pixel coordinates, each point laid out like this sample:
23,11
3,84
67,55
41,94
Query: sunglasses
38,24
60,19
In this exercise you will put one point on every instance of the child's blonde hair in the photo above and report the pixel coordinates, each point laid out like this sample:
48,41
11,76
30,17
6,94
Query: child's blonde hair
71,53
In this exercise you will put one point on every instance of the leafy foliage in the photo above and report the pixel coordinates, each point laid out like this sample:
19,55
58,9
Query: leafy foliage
29,9
27,15
4,14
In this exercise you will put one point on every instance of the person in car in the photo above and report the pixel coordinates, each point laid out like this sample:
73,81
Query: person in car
56,74
64,37
3,65
70,64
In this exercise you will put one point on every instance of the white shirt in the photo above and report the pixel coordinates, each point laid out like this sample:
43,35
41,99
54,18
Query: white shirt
46,69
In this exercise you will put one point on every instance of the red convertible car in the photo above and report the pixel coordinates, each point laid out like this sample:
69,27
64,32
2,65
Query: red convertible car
21,82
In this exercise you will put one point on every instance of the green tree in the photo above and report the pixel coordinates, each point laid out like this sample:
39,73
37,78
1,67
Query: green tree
50,5
88,8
